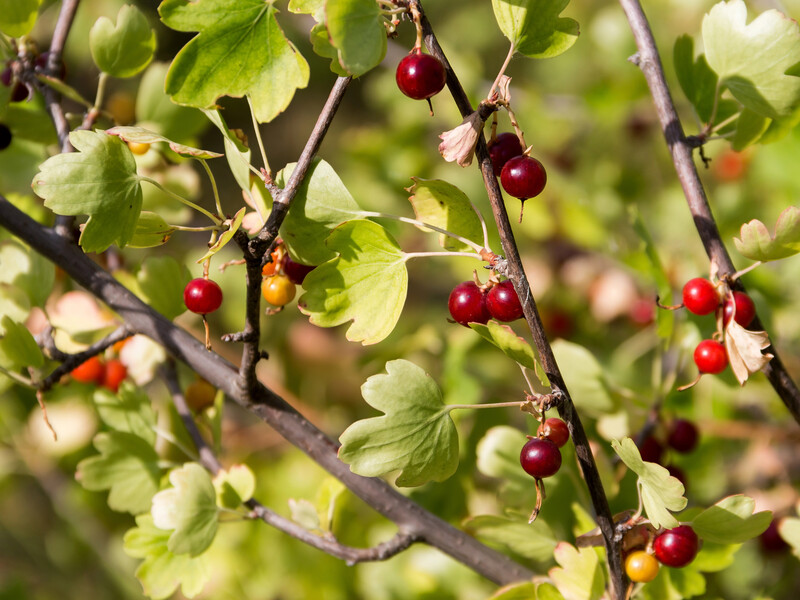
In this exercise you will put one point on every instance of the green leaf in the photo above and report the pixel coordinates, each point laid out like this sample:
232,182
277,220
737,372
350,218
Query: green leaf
321,204
696,78
328,496
513,346
447,207
140,135
664,318
731,521
356,29
129,411
580,576
714,557
525,590
750,126
162,571
498,453
416,434
688,582
155,110
535,542
124,49
546,591
752,60
236,151
365,284
18,349
189,508
127,466
660,492
585,378
151,231
226,236
756,243
307,7
234,486
161,281
321,44
304,514
18,16
29,271
789,530
534,28
240,50
62,88
98,180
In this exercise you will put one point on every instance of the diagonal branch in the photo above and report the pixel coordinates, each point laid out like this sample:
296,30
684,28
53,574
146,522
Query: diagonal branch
267,405
649,61
516,274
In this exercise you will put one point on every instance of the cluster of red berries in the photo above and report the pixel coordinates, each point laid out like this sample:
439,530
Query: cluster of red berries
682,437
541,456
108,374
700,297
521,176
471,303
676,547
20,91
281,277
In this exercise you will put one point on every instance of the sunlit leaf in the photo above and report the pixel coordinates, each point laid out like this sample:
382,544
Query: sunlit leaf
28,271
240,50
226,236
124,49
17,347
525,590
356,29
151,231
321,44
444,205
584,376
731,521
130,410
365,284
236,151
756,243
234,485
534,28
139,135
18,16
580,575
535,542
415,435
513,346
789,530
696,78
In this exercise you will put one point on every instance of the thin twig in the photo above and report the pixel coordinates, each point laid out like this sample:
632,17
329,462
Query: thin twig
649,62
516,274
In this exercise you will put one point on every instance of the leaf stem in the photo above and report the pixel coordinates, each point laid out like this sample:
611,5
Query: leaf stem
722,124
167,435
185,228
20,379
493,405
380,215
511,51
258,137
181,199
203,162
746,270
101,90
410,255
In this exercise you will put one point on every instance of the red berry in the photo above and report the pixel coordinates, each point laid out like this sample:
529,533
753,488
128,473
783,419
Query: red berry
700,296
202,296
41,64
710,357
771,541
555,430
467,304
503,303
651,449
115,373
420,76
745,309
676,547
683,436
7,76
296,271
502,149
540,458
19,93
523,177
90,371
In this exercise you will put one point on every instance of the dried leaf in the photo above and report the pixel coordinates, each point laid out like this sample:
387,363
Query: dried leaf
744,350
504,88
459,144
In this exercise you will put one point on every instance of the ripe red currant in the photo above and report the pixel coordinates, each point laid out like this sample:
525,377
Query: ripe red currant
710,357
114,374
555,430
202,296
420,76
676,547
502,149
503,303
467,304
641,567
651,449
700,296
295,271
540,458
523,177
89,371
745,309
683,436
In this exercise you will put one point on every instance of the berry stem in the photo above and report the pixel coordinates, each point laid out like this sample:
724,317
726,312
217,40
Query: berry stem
214,189
463,240
20,379
181,199
511,51
257,129
450,407
410,255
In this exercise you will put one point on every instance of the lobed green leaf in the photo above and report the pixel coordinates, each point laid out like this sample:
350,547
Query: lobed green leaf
356,30
731,521
580,575
445,206
18,349
534,28
756,243
124,49
17,17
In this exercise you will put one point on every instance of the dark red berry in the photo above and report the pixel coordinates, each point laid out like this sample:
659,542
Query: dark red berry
745,309
710,357
771,541
503,303
467,304
5,136
502,149
420,76
678,474
651,449
41,65
700,296
19,92
295,271
676,547
683,436
540,458
7,76
555,430
523,177
202,296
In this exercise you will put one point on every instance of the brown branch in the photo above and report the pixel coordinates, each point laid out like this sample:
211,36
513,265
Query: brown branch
271,408
208,459
649,61
516,274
